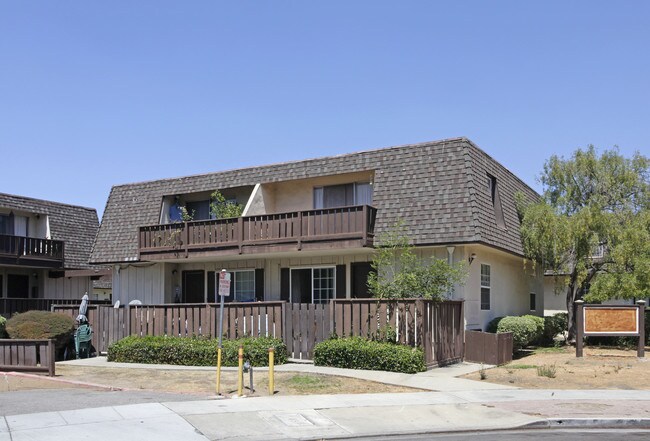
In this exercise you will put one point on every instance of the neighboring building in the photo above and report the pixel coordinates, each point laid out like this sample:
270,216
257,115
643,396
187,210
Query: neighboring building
44,249
308,229
102,288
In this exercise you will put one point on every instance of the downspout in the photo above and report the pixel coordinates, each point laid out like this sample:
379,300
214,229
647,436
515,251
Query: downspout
450,261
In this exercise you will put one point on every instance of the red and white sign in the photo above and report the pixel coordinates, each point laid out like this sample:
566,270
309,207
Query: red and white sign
224,284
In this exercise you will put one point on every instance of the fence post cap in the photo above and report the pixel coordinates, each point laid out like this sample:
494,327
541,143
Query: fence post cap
640,302
579,302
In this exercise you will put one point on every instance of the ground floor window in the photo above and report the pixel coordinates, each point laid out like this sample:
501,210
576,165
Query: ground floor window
485,286
533,302
242,287
313,285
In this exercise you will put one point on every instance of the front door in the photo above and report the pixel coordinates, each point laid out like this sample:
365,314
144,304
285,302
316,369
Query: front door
193,287
301,285
18,286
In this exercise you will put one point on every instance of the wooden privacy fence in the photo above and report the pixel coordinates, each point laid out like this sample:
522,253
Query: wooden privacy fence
435,327
179,320
485,347
13,305
27,355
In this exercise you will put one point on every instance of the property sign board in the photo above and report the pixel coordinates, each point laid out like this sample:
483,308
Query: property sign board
621,320
224,284
605,320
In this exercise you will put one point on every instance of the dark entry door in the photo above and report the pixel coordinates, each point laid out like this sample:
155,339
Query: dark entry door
193,286
18,286
360,272
301,285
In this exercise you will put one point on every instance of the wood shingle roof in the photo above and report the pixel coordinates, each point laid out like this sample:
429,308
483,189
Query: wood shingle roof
438,188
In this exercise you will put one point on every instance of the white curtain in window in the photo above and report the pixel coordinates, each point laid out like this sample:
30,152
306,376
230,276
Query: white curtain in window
363,194
318,198
20,226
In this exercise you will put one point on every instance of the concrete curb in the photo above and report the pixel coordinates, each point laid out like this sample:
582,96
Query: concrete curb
588,423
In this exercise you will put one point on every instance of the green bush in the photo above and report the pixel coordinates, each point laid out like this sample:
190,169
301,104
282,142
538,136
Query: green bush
493,325
523,329
42,325
554,325
359,353
195,351
3,324
539,328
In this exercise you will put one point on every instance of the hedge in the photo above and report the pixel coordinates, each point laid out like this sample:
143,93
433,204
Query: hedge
42,325
524,330
539,328
493,326
359,353
3,323
553,325
195,351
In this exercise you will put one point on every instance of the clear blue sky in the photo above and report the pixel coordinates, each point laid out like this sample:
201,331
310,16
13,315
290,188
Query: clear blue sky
94,94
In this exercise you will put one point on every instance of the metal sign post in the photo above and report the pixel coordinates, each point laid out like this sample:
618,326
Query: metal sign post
222,286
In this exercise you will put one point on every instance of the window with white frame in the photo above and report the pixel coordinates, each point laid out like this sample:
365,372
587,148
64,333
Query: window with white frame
485,286
323,284
244,285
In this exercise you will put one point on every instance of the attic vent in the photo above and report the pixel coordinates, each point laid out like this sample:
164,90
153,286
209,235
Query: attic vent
493,191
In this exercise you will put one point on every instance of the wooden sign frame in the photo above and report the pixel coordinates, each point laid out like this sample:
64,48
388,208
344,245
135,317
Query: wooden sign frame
610,320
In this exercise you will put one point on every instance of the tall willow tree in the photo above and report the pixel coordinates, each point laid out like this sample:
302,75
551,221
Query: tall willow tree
592,226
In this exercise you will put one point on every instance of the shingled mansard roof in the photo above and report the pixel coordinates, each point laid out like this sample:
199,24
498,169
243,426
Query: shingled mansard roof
75,226
438,188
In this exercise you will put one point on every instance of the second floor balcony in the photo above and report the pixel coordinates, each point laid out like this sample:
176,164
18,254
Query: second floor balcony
31,251
329,228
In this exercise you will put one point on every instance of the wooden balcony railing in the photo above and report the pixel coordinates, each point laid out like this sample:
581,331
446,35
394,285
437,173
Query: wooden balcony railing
24,249
331,227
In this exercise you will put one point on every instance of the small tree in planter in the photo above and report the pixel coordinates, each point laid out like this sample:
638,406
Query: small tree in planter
399,273
221,208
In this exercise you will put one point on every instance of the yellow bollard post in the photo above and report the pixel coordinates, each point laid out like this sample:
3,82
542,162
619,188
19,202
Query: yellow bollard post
218,371
271,374
240,373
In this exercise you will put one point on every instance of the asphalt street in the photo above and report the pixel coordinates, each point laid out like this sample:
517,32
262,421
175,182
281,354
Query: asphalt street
52,400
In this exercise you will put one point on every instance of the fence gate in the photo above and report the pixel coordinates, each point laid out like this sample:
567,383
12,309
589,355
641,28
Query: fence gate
305,325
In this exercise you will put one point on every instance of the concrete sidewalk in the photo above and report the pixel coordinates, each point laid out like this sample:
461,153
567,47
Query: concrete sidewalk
452,404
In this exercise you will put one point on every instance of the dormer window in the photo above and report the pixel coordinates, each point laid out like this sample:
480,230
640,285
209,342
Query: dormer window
343,195
493,191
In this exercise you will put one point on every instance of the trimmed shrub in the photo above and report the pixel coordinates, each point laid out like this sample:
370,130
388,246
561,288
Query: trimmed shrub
493,325
195,351
3,324
539,328
523,330
553,325
42,325
359,353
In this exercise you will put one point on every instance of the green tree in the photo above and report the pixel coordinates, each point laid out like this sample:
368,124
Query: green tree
592,203
222,208
399,273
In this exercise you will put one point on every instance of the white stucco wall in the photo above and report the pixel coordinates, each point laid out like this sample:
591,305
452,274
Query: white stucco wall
511,285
